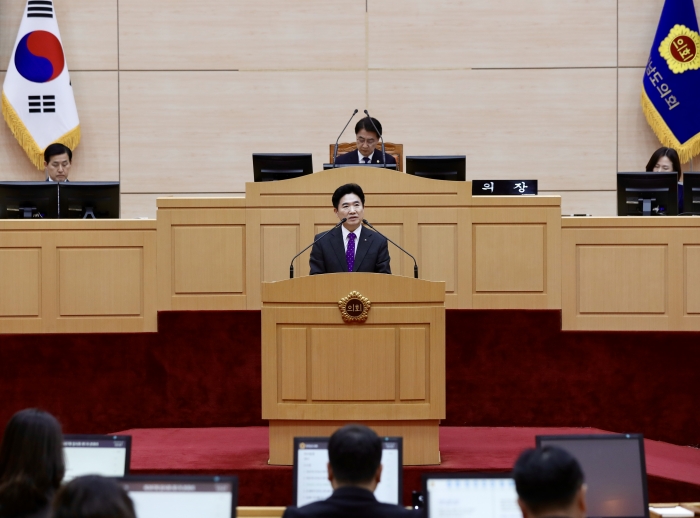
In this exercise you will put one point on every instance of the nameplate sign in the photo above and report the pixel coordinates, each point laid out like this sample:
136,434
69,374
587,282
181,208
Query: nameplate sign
504,187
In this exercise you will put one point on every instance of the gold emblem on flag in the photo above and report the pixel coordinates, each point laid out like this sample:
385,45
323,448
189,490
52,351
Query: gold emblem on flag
354,307
681,49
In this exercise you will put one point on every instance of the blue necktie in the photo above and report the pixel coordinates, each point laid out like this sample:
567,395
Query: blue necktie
366,159
350,253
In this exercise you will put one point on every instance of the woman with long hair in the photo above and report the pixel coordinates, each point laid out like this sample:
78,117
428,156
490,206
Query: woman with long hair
31,464
92,497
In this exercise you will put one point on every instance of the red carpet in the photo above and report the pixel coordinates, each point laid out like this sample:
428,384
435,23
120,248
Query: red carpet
674,471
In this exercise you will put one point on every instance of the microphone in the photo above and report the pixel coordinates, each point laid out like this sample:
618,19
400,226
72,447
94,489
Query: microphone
335,152
383,155
291,265
415,264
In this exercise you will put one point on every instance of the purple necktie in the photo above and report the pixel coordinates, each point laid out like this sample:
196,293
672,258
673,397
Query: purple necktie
350,253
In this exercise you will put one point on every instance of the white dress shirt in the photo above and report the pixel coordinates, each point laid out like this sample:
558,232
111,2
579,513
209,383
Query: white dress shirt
346,233
362,158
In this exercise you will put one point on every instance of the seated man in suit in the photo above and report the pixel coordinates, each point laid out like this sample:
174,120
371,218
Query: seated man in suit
354,470
549,482
369,147
352,247
57,162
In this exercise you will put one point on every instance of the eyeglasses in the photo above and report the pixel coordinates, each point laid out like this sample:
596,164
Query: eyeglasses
370,141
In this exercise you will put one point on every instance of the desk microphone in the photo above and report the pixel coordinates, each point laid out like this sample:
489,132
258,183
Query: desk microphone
384,158
291,265
415,264
335,152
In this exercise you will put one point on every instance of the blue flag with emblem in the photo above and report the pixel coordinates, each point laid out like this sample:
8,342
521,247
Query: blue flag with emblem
671,92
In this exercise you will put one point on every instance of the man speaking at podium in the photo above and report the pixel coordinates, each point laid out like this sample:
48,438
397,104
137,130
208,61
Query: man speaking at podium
352,247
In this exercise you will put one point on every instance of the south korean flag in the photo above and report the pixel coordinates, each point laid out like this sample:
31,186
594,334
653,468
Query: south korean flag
37,96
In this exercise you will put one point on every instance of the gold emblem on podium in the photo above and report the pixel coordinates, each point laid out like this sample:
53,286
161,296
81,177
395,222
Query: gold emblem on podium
354,307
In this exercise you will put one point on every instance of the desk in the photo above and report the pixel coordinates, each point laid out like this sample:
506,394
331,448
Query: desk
631,273
77,276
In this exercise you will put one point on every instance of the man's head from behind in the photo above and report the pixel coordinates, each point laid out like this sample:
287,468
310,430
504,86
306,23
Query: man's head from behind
549,482
57,162
355,454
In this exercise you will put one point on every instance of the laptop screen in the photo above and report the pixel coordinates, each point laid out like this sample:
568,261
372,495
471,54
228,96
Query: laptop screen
182,497
470,495
614,469
311,482
106,455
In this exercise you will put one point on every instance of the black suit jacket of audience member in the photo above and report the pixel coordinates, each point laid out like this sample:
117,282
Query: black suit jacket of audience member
371,255
350,502
376,158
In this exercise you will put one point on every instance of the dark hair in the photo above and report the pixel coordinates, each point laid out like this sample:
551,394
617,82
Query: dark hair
547,479
355,453
665,152
365,124
93,497
348,188
31,461
57,149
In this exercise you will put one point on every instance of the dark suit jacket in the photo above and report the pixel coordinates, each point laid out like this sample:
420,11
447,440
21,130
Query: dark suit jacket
349,502
353,158
372,255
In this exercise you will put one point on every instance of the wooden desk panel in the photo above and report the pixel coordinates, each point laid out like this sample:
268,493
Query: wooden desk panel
73,276
514,240
631,273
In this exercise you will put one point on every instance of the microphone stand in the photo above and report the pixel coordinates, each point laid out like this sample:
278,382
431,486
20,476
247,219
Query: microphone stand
335,152
415,264
383,153
291,265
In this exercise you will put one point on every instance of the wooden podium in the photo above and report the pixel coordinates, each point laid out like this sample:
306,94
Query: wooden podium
321,371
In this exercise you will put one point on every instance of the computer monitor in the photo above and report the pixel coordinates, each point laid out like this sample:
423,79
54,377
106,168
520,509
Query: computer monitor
270,167
615,472
311,472
470,495
106,455
182,496
28,200
691,193
438,167
88,200
647,194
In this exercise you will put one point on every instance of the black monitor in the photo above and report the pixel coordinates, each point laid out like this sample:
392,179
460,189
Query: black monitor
691,193
270,167
470,495
310,472
106,455
438,167
615,472
28,200
182,496
647,194
86,200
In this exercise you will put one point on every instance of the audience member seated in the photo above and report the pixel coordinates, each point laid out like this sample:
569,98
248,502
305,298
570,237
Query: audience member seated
550,483
666,160
57,162
31,464
369,147
93,497
354,470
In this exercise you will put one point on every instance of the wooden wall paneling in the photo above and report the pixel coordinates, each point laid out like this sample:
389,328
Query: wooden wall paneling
637,23
539,117
88,32
459,34
690,316
202,250
293,372
517,256
145,206
260,512
221,35
97,156
221,119
636,140
22,299
414,363
595,203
